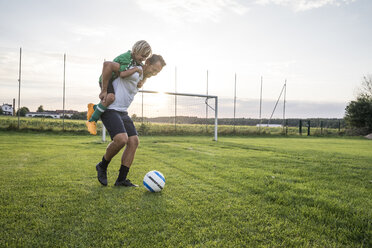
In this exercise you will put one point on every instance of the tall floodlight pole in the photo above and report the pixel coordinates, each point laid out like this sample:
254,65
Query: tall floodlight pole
142,105
285,91
234,102
206,108
215,118
19,84
259,128
64,90
103,126
175,99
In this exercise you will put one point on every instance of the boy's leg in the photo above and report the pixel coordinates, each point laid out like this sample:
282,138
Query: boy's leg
92,126
94,114
102,106
108,71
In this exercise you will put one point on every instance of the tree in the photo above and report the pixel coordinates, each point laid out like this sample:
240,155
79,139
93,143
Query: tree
359,113
135,118
1,110
40,109
367,86
23,111
79,116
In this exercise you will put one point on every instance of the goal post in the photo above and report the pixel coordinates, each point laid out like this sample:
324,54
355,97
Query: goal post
215,108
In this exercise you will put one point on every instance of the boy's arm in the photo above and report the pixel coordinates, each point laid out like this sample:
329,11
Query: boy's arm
129,72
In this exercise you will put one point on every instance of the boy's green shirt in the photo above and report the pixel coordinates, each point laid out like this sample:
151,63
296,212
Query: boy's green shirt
125,60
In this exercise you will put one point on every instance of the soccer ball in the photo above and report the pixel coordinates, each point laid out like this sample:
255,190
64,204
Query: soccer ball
154,181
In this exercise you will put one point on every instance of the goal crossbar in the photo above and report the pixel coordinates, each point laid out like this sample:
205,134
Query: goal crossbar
176,94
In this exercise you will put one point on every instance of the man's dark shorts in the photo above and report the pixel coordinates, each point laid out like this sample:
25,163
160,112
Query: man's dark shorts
118,122
110,86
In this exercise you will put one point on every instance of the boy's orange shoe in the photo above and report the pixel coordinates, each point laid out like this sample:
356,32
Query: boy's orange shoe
90,111
92,127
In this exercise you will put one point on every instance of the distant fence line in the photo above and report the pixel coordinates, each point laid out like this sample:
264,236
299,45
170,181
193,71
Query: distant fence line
153,128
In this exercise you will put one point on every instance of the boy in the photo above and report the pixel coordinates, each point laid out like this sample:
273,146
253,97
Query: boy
131,59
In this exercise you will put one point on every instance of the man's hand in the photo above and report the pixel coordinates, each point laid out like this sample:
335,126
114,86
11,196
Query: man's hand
103,96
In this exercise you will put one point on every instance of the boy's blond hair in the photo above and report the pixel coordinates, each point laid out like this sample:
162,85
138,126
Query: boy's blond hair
142,48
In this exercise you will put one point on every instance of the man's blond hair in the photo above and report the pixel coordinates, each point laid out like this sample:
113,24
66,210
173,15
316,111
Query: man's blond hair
142,48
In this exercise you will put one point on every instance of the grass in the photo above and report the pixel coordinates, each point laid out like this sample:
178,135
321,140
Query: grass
237,192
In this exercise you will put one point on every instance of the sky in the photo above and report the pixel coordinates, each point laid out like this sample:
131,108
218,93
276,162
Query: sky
322,48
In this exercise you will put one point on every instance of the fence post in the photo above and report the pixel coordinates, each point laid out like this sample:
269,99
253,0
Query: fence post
339,126
286,127
142,108
300,127
321,127
103,133
308,128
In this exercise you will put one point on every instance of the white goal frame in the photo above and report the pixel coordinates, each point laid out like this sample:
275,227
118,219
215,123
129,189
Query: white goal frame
215,109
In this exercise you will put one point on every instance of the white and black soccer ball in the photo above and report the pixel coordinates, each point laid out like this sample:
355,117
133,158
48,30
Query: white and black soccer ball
154,181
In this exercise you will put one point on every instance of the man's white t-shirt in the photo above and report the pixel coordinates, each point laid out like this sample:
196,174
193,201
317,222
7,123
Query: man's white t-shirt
125,90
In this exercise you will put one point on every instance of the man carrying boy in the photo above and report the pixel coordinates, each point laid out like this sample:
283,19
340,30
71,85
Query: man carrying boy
119,124
126,64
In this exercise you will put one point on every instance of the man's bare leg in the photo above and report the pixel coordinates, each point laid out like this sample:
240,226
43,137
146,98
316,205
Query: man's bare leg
130,151
126,162
112,149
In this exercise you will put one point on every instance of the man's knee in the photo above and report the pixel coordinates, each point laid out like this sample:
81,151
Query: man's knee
133,142
121,139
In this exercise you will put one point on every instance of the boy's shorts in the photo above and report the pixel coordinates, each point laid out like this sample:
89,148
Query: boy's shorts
118,122
110,86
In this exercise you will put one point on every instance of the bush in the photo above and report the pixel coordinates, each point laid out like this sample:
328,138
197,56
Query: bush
23,111
359,115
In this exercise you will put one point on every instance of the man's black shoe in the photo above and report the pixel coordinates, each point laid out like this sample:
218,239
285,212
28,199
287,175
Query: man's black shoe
101,174
125,183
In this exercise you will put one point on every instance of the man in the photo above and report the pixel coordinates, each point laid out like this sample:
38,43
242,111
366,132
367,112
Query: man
118,123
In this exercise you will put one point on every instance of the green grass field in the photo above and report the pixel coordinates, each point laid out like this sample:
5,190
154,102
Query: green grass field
237,192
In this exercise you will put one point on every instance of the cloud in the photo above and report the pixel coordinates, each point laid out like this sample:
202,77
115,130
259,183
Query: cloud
195,11
88,31
191,10
303,5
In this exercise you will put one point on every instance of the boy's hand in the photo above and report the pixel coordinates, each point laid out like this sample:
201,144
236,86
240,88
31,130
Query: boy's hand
139,70
102,96
141,83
